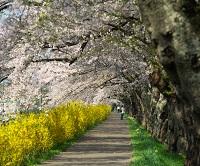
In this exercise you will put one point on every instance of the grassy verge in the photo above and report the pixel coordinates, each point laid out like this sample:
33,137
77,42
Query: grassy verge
149,152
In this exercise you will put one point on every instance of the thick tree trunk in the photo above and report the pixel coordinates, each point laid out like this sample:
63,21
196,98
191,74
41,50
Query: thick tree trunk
173,28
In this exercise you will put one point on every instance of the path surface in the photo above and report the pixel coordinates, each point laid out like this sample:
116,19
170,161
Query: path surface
108,144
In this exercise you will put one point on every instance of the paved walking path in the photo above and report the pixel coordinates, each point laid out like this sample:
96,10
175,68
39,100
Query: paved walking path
108,144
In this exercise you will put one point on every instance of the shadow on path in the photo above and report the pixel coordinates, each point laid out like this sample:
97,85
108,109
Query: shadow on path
108,144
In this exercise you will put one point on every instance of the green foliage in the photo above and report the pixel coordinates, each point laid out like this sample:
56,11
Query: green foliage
149,152
42,18
169,90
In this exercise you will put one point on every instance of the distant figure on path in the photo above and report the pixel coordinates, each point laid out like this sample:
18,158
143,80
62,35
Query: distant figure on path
118,109
122,112
114,107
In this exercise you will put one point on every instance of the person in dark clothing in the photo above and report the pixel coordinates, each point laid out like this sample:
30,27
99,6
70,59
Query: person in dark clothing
113,107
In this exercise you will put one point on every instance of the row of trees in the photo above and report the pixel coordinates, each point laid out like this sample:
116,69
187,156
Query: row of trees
103,39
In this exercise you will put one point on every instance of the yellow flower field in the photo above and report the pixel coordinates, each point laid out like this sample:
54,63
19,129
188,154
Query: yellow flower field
35,133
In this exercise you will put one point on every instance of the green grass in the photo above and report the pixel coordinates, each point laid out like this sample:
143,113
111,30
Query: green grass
149,152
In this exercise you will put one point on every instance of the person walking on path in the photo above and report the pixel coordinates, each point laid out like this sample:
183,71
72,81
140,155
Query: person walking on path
122,112
118,109
113,107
